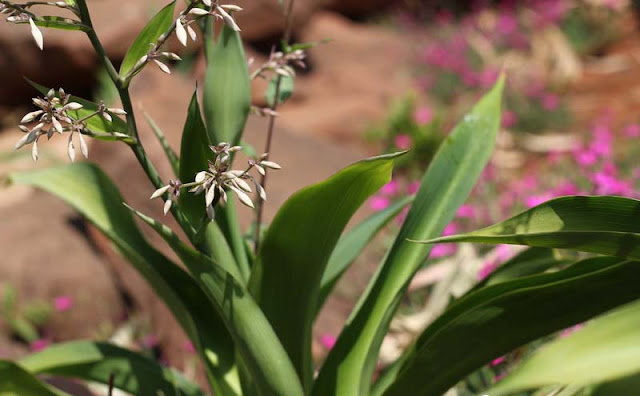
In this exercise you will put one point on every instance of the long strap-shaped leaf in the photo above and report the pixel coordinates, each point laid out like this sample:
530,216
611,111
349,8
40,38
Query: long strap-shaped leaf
606,349
297,246
16,381
351,245
96,362
445,186
605,225
87,189
494,320
262,352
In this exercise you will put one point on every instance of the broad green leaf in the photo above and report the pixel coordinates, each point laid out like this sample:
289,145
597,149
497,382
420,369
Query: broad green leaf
297,246
529,262
285,91
351,245
445,186
605,225
15,381
96,361
96,123
172,157
227,89
606,349
88,190
194,157
261,351
158,25
55,22
494,320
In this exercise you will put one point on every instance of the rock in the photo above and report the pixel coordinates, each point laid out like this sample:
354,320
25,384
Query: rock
264,19
352,81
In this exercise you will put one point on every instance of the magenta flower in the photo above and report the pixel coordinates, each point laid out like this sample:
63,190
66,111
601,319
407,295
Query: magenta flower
466,211
150,341
62,303
423,115
498,361
328,341
442,250
509,119
413,187
550,102
188,346
536,200
39,344
585,158
507,24
632,131
390,188
378,203
403,141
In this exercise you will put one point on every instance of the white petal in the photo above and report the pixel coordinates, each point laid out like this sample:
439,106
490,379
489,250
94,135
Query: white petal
116,111
244,198
30,116
260,170
37,34
83,146
207,3
21,142
231,7
73,106
56,125
192,33
261,192
228,19
200,176
242,184
211,212
71,150
159,192
270,164
199,11
107,116
181,34
162,66
167,206
34,152
211,193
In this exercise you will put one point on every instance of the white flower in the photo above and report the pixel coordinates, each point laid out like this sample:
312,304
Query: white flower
37,34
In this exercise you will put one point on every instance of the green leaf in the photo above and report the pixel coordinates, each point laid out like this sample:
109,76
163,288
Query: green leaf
55,22
172,157
606,349
259,347
96,361
351,245
227,88
492,321
87,189
529,262
297,247
445,186
96,123
159,24
605,225
18,382
285,91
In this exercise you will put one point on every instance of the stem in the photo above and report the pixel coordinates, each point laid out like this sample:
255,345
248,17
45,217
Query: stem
272,121
123,91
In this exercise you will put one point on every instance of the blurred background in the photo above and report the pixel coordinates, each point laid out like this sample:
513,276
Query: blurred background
385,76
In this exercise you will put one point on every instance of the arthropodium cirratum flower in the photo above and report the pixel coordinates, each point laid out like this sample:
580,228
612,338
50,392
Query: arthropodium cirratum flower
183,23
217,179
52,117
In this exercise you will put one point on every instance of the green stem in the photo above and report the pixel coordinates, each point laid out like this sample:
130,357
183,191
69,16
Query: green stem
123,91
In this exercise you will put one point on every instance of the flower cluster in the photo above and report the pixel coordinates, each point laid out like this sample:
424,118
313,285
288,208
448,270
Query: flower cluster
212,8
282,64
53,117
218,179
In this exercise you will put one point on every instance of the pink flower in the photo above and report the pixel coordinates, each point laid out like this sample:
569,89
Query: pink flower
62,303
487,269
566,188
632,131
585,158
450,229
328,341
487,78
498,361
442,250
550,102
390,188
466,211
506,24
536,200
150,341
509,119
188,346
413,187
423,115
39,344
403,141
378,203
